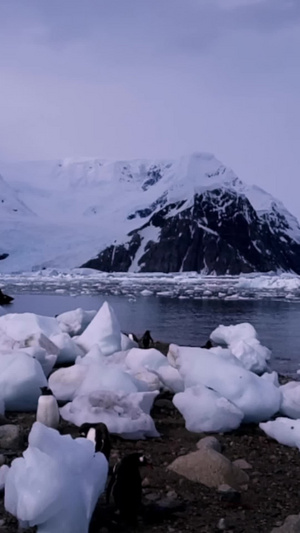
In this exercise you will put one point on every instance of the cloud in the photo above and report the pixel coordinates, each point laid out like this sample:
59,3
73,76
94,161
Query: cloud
154,78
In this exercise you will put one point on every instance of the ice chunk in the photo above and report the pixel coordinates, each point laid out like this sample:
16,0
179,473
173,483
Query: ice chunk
205,410
256,397
21,326
290,405
100,377
242,341
125,415
21,377
74,322
127,343
152,360
149,359
224,335
104,330
47,361
65,381
58,481
68,350
284,430
3,473
272,377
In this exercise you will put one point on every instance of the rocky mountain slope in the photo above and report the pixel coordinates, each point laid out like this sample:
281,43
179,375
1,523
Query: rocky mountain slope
191,214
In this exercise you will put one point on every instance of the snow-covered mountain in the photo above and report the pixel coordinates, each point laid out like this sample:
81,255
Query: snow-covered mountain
190,214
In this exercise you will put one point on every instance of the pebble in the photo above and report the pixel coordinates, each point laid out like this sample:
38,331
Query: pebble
229,494
222,524
9,437
243,464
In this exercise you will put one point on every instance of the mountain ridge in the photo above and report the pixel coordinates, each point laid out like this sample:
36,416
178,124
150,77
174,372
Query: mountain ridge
193,213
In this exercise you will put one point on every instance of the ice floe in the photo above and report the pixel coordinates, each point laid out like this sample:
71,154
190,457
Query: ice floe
57,481
257,398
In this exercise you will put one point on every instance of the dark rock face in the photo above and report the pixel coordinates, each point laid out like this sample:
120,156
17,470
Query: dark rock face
220,234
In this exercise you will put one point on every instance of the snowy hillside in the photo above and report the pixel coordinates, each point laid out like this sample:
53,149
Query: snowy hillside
188,214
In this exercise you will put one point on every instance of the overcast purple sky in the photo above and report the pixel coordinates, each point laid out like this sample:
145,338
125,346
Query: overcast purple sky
155,78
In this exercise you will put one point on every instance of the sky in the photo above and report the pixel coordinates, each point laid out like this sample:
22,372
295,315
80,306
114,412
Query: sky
126,79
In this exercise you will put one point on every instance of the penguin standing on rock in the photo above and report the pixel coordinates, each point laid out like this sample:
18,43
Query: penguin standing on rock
99,435
47,410
146,340
126,486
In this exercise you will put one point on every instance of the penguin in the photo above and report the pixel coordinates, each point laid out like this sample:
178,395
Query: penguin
146,340
47,410
99,435
5,299
208,345
133,337
125,486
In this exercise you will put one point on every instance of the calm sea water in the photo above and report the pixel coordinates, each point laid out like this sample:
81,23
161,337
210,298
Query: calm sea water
187,322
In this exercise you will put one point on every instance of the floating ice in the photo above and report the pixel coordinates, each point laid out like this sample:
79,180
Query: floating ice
284,430
257,398
76,321
242,341
57,482
205,410
125,415
103,330
21,377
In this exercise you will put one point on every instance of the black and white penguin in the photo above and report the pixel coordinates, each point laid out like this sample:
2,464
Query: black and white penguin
208,345
47,410
146,341
133,337
125,486
99,435
5,299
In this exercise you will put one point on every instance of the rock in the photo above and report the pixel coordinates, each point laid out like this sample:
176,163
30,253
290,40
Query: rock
145,482
164,404
153,496
242,463
172,495
3,420
209,467
290,525
221,525
9,437
229,494
209,442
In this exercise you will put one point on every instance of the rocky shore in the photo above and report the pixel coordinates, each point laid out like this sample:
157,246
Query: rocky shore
261,504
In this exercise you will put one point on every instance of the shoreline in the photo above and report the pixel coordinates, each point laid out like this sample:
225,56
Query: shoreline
272,494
